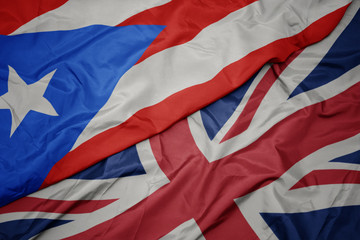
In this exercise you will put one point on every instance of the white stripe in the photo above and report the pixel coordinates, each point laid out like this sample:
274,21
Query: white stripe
198,129
277,198
81,13
188,230
269,113
128,190
229,123
78,189
199,60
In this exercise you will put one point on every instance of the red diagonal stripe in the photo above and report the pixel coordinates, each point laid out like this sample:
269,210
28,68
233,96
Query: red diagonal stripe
154,119
29,204
246,116
185,197
183,20
332,176
206,191
15,13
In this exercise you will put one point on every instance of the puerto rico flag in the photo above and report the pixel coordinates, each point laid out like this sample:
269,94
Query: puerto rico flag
276,158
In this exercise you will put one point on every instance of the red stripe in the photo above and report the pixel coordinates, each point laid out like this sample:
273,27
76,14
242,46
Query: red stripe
182,20
151,120
246,116
15,13
205,191
30,204
182,199
322,177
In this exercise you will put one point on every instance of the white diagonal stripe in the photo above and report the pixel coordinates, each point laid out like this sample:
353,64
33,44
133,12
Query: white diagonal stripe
277,198
268,113
187,230
128,190
199,60
81,13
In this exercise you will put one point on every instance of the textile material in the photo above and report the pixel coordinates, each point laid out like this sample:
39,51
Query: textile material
81,81
29,150
275,159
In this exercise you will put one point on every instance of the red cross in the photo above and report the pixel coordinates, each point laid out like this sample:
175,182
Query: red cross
206,191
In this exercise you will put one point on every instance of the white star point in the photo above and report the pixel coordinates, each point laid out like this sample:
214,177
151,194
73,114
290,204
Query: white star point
21,98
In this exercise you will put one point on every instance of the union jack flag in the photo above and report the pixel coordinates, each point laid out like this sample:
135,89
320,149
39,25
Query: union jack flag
278,158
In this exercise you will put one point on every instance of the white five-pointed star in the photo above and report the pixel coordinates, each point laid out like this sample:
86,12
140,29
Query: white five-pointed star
21,98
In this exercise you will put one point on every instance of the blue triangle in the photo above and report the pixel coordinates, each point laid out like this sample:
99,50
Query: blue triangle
216,114
349,158
27,228
89,62
336,223
123,164
342,57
